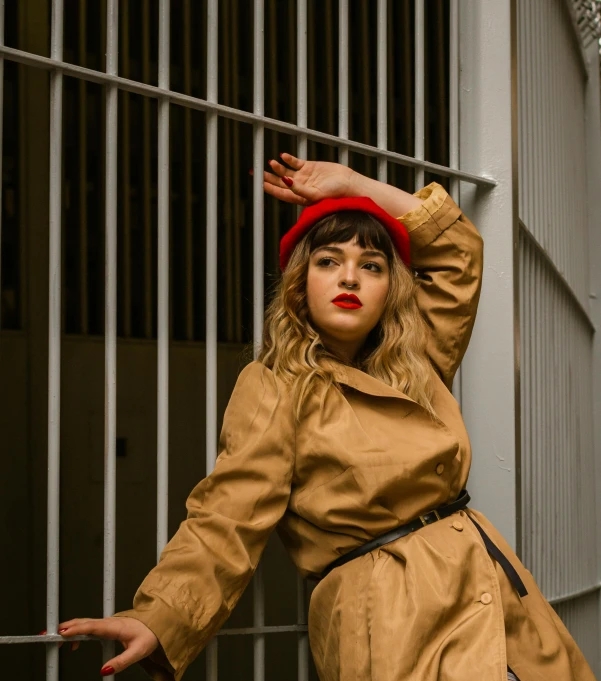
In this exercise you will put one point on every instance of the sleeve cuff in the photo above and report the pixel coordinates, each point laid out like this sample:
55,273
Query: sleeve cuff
163,621
437,212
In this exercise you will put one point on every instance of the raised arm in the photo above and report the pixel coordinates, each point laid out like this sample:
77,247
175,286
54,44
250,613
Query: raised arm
447,253
205,567
446,248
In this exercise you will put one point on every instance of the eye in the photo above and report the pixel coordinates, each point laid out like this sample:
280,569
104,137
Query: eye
321,261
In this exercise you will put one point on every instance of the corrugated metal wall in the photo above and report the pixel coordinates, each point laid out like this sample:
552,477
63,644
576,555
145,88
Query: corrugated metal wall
556,333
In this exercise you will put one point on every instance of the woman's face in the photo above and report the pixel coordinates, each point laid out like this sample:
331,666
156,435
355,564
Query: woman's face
346,268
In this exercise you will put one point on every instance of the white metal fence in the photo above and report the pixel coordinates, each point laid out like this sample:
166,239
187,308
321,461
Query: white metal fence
560,459
387,162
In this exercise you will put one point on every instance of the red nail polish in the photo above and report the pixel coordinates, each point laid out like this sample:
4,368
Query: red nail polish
287,181
42,633
107,671
251,171
60,631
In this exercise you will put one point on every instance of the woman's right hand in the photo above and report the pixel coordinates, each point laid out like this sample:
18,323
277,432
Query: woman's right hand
137,639
309,181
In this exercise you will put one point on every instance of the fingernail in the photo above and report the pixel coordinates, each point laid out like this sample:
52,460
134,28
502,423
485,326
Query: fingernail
282,155
107,671
250,172
287,181
60,631
42,633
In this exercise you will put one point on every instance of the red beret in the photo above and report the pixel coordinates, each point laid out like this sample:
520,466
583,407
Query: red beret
315,212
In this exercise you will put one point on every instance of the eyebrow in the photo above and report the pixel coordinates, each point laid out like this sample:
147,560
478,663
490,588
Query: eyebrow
335,249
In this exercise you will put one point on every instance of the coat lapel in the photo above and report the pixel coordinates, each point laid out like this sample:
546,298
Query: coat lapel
359,380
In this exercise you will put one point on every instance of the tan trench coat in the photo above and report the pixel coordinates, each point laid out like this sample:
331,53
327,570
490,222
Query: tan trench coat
430,606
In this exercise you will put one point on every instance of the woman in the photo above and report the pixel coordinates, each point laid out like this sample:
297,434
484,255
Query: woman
343,430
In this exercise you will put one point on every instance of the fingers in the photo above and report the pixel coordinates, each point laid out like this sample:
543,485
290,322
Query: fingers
126,659
292,161
270,178
106,627
74,644
279,168
284,194
273,179
308,194
274,185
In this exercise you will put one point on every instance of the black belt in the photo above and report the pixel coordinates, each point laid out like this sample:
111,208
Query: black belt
427,519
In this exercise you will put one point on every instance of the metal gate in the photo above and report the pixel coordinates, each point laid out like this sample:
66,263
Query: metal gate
361,117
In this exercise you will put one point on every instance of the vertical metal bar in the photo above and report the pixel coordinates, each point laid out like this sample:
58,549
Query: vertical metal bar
525,364
329,56
211,262
454,94
343,79
54,338
382,88
419,91
408,94
126,157
527,113
211,272
391,76
258,273
83,176
148,275
538,540
454,128
441,60
227,29
366,100
301,119
301,75
273,89
110,323
238,201
1,140
303,636
292,26
188,146
311,71
163,283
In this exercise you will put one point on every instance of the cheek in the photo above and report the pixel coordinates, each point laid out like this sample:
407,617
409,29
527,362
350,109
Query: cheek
381,294
316,290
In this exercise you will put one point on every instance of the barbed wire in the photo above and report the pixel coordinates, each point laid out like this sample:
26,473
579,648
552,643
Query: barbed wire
588,19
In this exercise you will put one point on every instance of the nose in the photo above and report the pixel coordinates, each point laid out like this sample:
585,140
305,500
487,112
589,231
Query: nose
349,278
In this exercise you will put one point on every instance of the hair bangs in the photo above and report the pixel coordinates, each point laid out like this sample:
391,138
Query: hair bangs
344,226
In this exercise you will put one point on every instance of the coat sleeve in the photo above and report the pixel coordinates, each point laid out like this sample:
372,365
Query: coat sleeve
447,254
205,567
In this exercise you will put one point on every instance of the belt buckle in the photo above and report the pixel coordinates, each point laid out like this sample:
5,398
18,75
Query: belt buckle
423,517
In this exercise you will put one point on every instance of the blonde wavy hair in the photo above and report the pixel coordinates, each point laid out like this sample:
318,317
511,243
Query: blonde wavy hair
395,349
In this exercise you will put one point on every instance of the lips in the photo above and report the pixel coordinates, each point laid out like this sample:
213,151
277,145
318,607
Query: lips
348,296
347,300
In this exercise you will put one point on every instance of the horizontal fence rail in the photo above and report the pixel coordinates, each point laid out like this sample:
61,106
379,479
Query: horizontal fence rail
563,589
237,115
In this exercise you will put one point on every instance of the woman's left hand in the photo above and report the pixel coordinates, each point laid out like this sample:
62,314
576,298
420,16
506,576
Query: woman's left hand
311,180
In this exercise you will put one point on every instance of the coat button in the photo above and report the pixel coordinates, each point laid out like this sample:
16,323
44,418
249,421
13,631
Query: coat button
486,598
457,525
440,468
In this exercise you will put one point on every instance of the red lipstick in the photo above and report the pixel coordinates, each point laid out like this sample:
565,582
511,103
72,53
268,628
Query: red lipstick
348,301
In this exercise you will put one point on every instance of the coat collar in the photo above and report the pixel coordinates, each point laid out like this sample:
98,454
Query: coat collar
359,380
